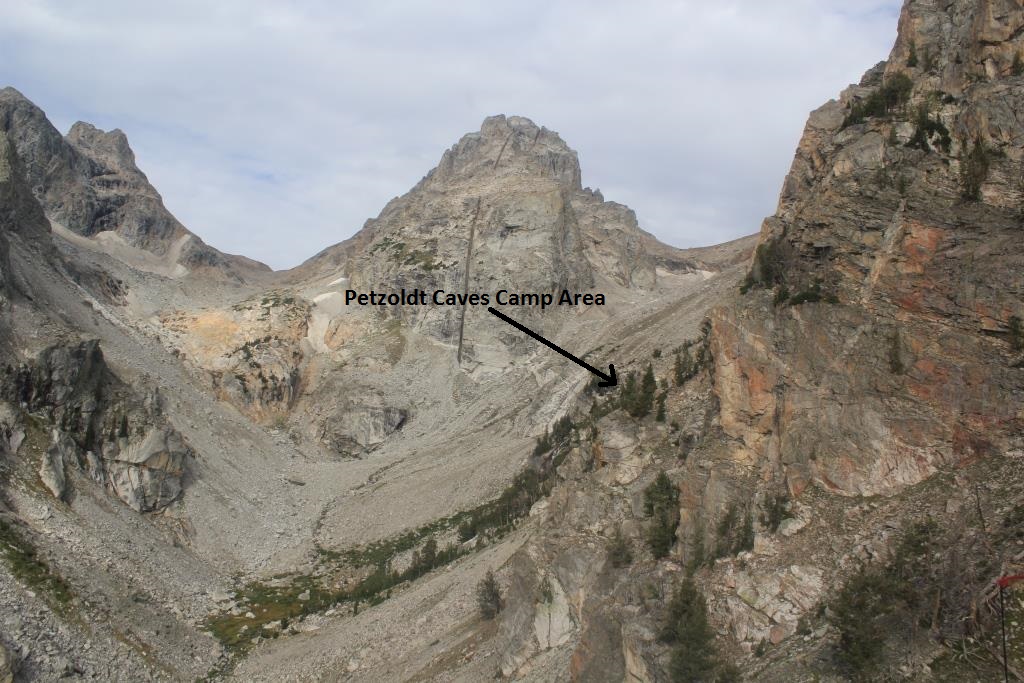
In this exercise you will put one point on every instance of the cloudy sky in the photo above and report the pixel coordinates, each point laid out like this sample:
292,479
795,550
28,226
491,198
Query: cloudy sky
275,129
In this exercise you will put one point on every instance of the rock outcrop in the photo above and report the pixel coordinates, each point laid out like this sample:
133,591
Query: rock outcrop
97,425
875,345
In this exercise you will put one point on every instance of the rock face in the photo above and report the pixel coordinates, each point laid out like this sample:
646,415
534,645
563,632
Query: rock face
101,427
20,213
900,228
253,351
88,183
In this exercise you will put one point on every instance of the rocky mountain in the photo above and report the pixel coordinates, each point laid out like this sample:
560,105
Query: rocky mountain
89,186
809,470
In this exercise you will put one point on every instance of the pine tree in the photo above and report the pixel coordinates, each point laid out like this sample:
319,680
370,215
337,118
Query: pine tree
687,628
648,386
488,596
662,533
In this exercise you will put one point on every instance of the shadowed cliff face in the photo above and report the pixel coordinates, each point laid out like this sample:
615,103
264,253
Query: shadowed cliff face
906,217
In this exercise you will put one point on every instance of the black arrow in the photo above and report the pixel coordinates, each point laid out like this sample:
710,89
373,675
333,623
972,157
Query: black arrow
609,379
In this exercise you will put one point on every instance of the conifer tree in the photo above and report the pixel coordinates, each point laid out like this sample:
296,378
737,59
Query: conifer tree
488,596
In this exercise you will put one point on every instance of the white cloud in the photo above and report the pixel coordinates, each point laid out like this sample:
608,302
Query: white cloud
275,129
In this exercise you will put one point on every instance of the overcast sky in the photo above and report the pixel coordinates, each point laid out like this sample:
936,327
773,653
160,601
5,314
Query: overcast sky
275,129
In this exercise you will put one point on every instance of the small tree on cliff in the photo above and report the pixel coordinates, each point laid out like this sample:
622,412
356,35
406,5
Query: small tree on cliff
488,596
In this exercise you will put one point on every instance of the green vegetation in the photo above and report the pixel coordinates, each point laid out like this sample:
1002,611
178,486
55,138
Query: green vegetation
637,398
687,629
32,570
878,603
488,596
912,57
775,511
926,129
659,416
974,170
893,95
769,266
399,252
810,295
698,555
560,432
661,503
309,594
497,517
619,552
1017,68
682,368
735,532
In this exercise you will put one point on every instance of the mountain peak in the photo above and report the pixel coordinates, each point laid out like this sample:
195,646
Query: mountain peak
509,145
110,147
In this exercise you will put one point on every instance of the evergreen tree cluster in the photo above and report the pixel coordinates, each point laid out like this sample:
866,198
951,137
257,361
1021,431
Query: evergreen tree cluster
637,397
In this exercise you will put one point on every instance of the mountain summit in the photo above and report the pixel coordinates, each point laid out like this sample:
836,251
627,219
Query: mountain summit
89,185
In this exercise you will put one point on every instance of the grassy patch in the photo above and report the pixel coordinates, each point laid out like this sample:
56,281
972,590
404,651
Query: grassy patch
32,570
279,601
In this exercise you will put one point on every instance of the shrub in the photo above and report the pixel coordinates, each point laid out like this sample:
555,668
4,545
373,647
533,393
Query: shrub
488,596
912,57
775,512
810,295
781,295
1017,68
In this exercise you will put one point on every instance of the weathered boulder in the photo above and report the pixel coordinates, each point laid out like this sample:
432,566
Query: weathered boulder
146,474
